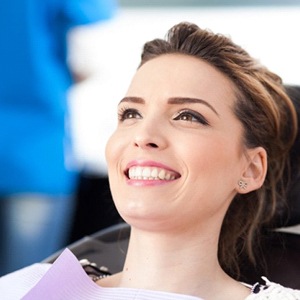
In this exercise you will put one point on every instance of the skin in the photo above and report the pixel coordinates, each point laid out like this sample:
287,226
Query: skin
177,117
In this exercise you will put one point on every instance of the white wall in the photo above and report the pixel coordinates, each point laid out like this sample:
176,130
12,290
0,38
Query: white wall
110,52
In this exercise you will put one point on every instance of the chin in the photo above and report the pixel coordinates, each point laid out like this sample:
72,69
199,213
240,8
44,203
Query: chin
141,215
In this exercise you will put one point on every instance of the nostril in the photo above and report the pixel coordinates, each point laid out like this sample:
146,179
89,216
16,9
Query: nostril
141,143
152,145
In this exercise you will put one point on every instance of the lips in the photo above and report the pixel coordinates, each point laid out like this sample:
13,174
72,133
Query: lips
138,172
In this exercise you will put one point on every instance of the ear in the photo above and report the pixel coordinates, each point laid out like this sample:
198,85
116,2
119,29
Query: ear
255,170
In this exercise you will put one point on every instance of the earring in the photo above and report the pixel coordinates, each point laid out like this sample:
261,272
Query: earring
242,184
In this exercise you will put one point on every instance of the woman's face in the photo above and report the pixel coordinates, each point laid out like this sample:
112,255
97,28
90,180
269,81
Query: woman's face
177,154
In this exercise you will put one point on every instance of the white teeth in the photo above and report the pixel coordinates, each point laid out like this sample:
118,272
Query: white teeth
138,172
154,172
131,173
161,174
146,172
150,173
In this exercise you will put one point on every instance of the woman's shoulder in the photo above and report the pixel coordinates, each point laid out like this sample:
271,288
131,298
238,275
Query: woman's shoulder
16,284
273,291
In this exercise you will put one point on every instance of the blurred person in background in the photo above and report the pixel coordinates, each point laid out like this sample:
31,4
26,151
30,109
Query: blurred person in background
38,173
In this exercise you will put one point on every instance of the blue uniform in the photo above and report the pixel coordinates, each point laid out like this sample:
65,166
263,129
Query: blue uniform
34,79
35,145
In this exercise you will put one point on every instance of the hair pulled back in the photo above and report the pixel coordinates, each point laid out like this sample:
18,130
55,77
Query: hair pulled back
268,118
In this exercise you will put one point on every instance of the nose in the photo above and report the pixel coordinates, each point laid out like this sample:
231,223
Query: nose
150,137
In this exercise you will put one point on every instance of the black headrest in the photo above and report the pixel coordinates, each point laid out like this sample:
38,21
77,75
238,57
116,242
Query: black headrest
292,216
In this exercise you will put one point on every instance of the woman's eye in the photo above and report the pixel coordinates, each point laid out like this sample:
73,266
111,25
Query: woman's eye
128,113
191,116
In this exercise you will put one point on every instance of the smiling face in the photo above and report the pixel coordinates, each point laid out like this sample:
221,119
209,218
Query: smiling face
177,154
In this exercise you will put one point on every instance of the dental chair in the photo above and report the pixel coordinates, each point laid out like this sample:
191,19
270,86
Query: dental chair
282,246
106,248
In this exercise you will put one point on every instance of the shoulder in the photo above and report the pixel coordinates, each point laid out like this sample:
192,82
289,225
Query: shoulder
273,291
16,284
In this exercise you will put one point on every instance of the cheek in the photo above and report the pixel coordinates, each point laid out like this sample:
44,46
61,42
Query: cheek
198,152
115,151
112,149
108,150
213,159
212,176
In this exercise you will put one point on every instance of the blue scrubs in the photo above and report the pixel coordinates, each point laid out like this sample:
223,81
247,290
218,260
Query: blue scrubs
35,144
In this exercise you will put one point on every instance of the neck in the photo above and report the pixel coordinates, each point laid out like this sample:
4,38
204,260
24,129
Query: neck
181,263
185,263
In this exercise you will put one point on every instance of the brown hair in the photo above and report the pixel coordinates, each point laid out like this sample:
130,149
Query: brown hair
268,118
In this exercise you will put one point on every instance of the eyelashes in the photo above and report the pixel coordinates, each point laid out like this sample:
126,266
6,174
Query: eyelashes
191,116
185,115
125,113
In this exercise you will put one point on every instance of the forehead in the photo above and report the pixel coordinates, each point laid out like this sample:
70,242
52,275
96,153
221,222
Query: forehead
180,75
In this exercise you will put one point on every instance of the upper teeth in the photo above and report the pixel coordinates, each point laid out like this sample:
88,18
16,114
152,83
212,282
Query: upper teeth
150,173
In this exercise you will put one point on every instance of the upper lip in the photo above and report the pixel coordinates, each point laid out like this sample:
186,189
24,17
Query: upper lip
150,163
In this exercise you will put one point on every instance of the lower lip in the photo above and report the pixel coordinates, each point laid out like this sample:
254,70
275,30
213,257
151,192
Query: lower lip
138,182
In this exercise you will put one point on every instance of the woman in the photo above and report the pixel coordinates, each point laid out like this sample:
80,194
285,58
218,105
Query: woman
195,168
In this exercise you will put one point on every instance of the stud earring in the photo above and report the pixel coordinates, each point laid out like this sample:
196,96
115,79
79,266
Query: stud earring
242,184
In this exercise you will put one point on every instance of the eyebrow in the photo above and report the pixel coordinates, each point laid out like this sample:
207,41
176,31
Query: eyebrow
183,100
138,100
172,100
